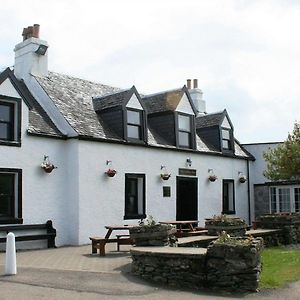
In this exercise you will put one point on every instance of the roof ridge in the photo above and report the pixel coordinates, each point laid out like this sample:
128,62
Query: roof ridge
160,93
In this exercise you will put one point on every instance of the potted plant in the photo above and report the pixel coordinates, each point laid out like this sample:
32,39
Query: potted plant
212,178
165,176
242,178
46,165
150,233
232,225
111,172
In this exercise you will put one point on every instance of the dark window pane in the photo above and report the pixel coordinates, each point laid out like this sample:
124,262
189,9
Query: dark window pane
297,199
134,196
133,131
5,113
4,131
184,139
133,117
228,197
184,123
7,194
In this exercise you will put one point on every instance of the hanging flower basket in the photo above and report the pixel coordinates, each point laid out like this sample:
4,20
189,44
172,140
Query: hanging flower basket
212,178
242,179
111,172
47,166
165,176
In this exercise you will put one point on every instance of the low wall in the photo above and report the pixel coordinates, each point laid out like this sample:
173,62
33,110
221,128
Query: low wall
288,223
233,267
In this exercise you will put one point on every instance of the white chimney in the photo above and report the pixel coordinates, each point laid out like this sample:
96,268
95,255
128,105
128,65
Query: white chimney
31,54
197,97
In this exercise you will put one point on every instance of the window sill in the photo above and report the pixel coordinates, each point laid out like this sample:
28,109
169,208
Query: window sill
228,212
11,221
10,143
135,217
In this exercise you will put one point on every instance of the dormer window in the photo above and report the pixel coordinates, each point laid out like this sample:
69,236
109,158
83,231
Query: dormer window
134,124
227,135
226,139
185,136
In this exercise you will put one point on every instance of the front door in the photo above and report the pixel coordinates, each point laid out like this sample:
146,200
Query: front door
187,199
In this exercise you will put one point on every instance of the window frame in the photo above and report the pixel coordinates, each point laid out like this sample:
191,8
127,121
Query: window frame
224,208
274,198
143,200
229,140
15,104
191,132
141,126
16,217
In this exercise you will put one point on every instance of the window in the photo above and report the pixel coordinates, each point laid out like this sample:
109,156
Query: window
284,199
10,120
228,197
10,196
226,139
134,124
134,196
184,131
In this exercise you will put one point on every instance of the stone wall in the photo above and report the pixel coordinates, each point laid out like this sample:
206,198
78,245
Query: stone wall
234,267
289,223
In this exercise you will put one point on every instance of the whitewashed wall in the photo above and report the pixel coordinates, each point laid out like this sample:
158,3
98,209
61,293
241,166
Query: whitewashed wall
102,198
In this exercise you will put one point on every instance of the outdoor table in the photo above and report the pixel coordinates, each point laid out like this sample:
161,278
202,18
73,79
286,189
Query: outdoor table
99,243
181,224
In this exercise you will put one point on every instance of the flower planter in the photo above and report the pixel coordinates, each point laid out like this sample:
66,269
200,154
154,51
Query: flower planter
232,226
111,172
155,235
165,176
242,179
212,178
48,168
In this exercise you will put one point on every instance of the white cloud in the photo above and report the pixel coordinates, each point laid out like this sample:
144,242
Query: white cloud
244,53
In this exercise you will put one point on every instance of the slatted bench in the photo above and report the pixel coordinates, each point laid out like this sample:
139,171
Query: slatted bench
99,242
21,235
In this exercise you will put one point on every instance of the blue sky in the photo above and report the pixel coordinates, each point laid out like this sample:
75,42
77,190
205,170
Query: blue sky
245,54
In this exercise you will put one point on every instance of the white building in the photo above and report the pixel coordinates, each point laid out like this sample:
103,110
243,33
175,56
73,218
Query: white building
86,128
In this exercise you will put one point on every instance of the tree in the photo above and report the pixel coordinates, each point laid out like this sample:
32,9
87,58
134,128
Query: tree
283,162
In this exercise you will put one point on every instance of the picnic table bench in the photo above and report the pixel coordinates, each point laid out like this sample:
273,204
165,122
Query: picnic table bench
120,239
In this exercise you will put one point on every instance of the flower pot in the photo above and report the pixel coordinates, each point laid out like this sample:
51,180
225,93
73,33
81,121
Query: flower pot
243,180
165,176
48,168
111,173
212,178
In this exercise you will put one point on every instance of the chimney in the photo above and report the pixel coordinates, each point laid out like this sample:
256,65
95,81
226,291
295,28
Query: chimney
197,97
189,83
31,54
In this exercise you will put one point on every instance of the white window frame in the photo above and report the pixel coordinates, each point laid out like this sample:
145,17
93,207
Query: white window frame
292,202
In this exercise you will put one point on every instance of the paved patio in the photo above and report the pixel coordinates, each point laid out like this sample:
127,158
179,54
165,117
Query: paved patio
74,273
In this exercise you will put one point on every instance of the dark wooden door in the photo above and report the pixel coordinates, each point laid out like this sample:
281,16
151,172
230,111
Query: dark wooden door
186,199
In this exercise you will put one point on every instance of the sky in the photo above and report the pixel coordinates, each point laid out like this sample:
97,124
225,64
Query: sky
245,54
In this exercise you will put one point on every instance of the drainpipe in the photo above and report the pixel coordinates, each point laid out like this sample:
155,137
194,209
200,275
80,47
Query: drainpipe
249,200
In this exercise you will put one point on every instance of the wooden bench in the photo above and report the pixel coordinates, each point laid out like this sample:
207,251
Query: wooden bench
21,235
99,242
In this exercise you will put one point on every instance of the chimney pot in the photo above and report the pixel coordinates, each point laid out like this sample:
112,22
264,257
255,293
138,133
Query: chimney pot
36,31
189,83
195,83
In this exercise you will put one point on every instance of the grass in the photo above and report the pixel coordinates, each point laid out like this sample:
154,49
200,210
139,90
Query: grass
280,265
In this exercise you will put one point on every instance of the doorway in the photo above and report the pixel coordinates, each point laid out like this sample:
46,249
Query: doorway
186,198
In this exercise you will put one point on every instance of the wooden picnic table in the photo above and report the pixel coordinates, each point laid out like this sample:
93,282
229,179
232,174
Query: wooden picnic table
180,224
121,239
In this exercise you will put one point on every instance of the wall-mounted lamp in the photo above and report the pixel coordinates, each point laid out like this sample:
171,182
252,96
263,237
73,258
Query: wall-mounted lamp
164,174
41,50
188,162
108,162
211,176
242,177
46,165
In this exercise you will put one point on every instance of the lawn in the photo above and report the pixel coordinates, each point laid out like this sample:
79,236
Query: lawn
280,265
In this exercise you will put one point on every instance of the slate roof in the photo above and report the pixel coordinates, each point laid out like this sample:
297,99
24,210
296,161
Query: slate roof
78,100
165,101
209,120
111,100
